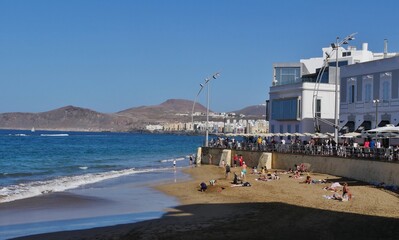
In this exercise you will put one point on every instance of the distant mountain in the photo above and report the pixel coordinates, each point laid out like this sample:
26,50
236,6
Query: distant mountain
253,111
71,118
67,118
171,110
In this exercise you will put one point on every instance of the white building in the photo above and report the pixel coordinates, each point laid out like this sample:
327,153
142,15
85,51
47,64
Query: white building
293,97
369,95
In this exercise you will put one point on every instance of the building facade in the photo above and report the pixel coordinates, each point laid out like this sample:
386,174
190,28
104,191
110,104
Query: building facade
369,95
302,95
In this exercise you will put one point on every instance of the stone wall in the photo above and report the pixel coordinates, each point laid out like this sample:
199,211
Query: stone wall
370,171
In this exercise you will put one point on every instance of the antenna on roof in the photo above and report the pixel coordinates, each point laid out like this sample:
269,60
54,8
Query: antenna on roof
385,48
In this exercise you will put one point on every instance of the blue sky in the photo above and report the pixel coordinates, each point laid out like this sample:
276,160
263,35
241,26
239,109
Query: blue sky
112,55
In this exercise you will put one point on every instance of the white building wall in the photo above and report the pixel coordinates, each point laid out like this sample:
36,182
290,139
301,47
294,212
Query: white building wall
360,111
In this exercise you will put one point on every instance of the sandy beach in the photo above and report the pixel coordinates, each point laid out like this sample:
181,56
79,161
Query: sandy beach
278,209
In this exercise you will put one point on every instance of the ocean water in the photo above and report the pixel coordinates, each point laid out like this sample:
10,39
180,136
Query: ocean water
85,180
35,163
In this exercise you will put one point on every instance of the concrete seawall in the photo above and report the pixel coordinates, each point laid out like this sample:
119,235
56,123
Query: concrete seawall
370,171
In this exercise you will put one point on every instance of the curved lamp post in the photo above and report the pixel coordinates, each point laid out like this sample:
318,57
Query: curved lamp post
206,83
335,47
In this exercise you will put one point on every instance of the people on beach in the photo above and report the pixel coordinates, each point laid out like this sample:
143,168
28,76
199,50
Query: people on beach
263,171
203,187
346,192
174,163
240,160
191,160
333,187
308,180
244,171
275,176
212,182
227,171
236,180
235,160
222,164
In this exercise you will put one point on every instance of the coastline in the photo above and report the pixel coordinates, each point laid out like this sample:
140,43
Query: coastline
127,199
277,209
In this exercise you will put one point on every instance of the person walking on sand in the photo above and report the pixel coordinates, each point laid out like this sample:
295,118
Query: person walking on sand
227,171
191,160
244,170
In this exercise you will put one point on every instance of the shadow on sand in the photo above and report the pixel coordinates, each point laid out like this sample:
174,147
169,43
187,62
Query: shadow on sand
246,221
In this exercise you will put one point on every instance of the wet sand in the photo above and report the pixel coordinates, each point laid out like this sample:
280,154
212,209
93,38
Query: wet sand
279,209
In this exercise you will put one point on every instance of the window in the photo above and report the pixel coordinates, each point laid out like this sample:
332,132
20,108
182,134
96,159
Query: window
368,88
340,64
351,93
272,129
385,91
289,128
281,129
287,75
346,54
284,109
367,92
297,128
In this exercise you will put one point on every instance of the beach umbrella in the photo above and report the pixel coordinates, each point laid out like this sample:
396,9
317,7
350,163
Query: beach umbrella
351,135
299,135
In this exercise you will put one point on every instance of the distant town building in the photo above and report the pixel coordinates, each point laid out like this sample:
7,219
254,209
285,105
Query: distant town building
224,126
154,127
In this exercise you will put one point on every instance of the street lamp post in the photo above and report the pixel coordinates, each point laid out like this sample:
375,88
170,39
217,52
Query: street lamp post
376,101
207,82
195,100
336,46
336,93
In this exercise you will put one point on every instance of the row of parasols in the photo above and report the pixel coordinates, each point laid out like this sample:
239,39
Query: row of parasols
388,131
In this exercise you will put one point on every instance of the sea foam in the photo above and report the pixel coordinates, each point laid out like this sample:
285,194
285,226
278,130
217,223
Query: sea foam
36,188
173,159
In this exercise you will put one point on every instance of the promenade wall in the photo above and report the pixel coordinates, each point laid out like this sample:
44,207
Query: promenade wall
370,171
251,158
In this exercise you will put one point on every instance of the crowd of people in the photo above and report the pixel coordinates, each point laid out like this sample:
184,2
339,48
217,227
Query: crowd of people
370,148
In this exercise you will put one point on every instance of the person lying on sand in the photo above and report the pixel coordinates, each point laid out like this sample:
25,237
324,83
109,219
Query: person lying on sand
245,184
309,180
297,175
333,187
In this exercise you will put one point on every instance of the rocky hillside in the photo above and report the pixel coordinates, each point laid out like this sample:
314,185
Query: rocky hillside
256,111
71,118
66,118
168,111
